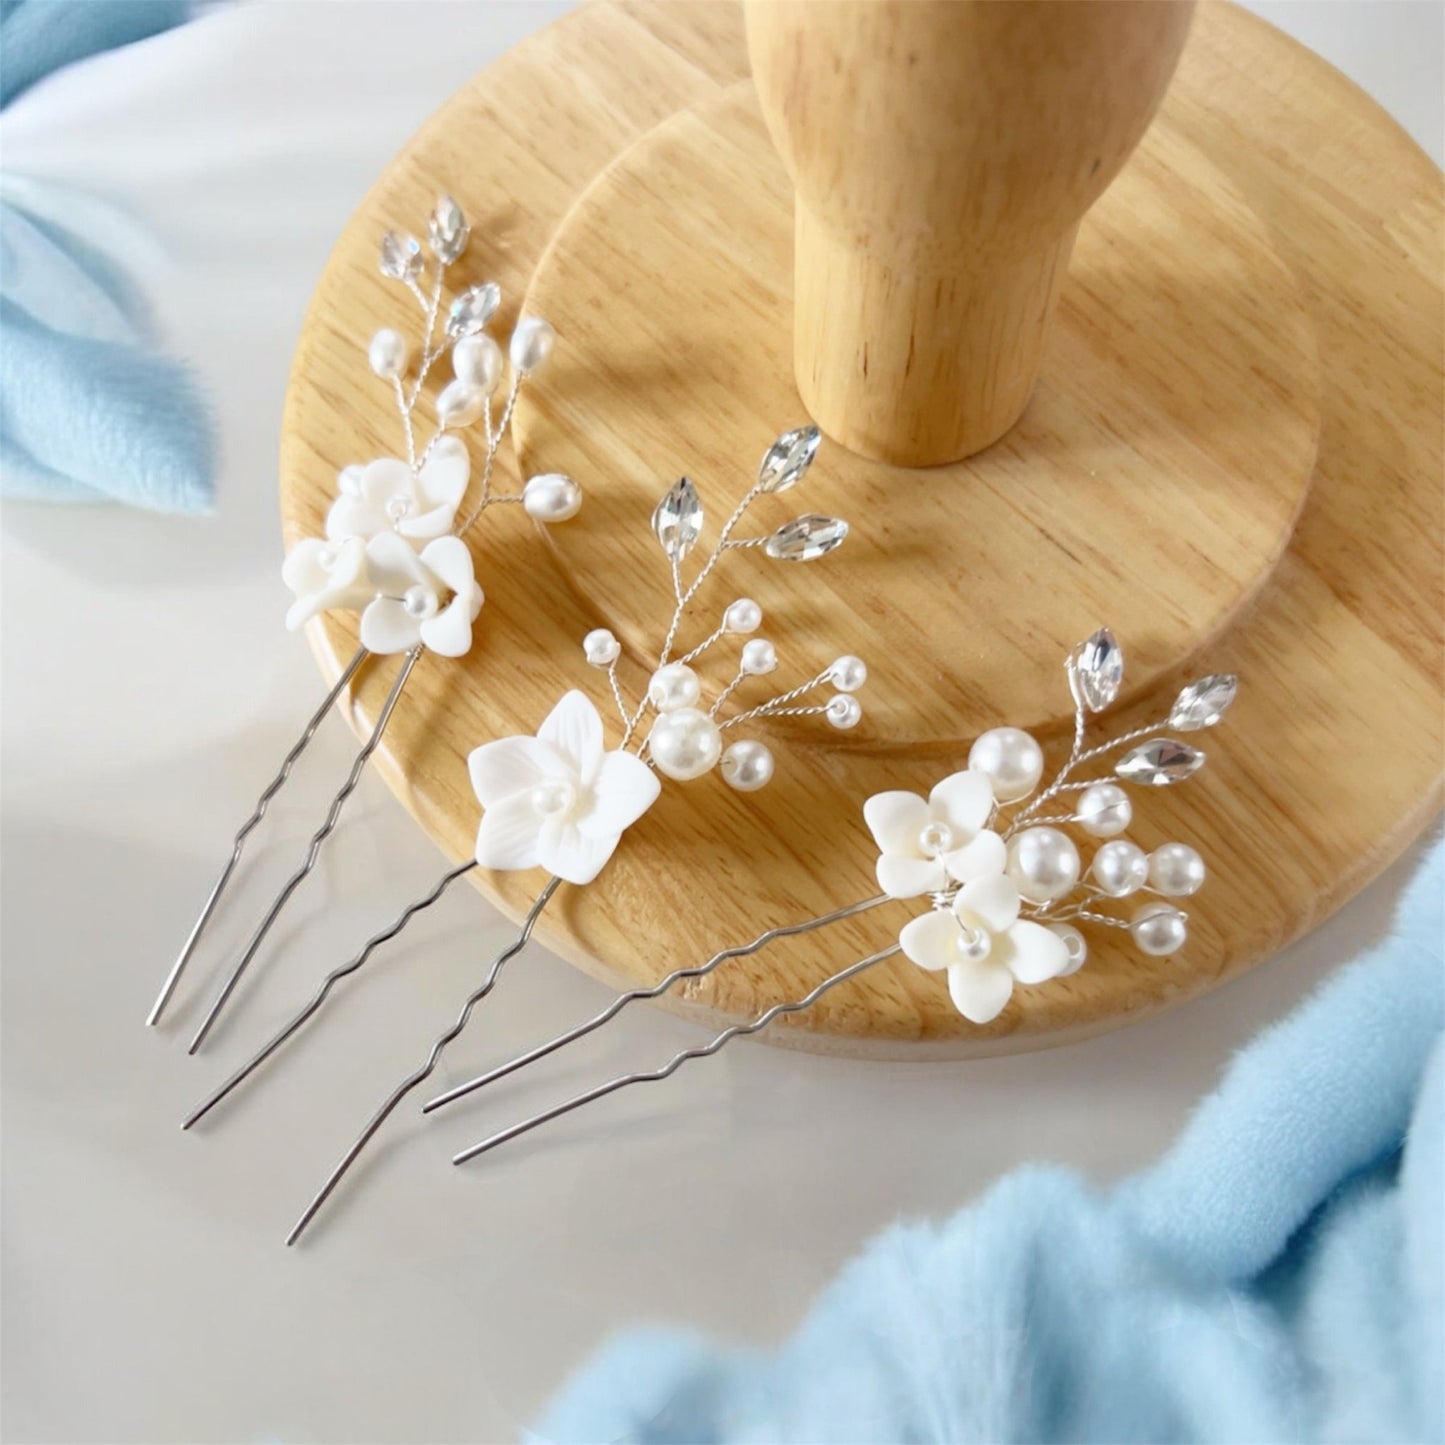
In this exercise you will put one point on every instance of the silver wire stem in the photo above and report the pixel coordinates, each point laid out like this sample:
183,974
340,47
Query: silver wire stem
313,851
245,831
702,1051
327,984
655,991
420,1075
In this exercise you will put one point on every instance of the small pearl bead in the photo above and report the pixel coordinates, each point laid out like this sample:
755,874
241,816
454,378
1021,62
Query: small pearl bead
934,839
601,648
1012,760
1043,864
348,481
1120,868
747,766
388,354
398,507
1104,810
684,744
844,711
477,360
744,615
1159,929
421,601
759,657
551,497
531,344
673,687
974,944
459,404
1076,944
554,797
848,673
1176,870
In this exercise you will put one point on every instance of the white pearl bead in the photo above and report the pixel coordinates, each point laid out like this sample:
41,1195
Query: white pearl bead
601,648
848,673
1120,868
388,354
844,711
934,839
348,481
1043,864
974,945
459,404
1104,810
551,497
747,766
1011,759
1176,870
684,744
421,601
1076,944
744,615
477,360
759,657
531,344
1159,929
554,797
674,686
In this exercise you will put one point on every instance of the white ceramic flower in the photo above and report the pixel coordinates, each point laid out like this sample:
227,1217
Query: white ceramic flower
323,575
925,842
429,597
985,946
388,498
558,801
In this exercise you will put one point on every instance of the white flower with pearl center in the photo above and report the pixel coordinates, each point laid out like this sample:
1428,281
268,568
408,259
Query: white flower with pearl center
323,575
387,497
428,598
925,842
558,801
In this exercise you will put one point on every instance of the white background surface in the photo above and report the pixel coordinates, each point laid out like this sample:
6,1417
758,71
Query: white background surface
148,690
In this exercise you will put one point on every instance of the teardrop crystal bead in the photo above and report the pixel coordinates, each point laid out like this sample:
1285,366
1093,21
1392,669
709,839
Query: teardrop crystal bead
1204,702
401,257
677,519
785,462
471,311
806,538
1159,762
447,230
1097,671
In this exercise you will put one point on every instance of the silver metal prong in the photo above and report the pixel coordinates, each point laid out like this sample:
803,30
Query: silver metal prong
676,1062
327,984
239,842
313,851
655,991
422,1074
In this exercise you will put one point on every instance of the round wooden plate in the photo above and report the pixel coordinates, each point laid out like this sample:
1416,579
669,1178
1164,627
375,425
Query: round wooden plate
1232,457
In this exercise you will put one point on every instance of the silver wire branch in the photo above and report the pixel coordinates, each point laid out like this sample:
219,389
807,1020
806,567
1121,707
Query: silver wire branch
727,692
494,445
702,1051
661,987
313,851
413,1080
299,1019
778,706
238,843
704,645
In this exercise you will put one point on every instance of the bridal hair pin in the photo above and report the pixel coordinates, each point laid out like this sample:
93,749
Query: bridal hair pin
393,549
1007,887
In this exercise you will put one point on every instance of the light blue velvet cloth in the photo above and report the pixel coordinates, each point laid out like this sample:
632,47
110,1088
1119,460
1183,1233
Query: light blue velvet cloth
89,410
1276,1277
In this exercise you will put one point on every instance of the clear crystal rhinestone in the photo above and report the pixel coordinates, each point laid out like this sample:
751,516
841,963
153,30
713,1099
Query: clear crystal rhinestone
401,257
1097,671
447,230
471,311
785,462
677,519
806,538
1159,762
1203,703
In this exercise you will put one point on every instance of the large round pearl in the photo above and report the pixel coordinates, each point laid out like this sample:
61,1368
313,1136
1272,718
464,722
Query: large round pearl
1159,929
1043,863
1176,870
531,344
1011,759
459,404
747,766
744,615
844,711
673,687
551,497
477,360
848,673
684,744
759,657
1076,944
1120,868
1104,810
601,648
388,354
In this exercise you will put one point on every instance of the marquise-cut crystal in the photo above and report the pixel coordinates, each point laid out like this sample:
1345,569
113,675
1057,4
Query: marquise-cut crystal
806,538
401,257
677,520
471,311
1159,762
1203,703
1098,671
447,230
785,462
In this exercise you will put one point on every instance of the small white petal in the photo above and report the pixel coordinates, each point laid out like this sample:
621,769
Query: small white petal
1032,953
449,633
574,728
980,990
994,901
509,766
964,801
895,820
394,564
387,627
624,789
385,479
910,877
509,835
443,480
302,571
929,941
353,517
450,560
423,526
987,854
563,850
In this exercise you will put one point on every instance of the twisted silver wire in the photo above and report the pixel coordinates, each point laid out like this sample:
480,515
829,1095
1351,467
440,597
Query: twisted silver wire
702,1051
238,843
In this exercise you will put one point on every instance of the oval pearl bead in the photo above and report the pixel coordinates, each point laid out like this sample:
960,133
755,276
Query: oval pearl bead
1159,930
531,344
1176,870
674,686
848,673
844,711
388,354
744,615
477,360
1043,864
459,404
551,497
747,766
684,744
1104,810
1012,761
1075,942
1120,868
759,657
601,648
